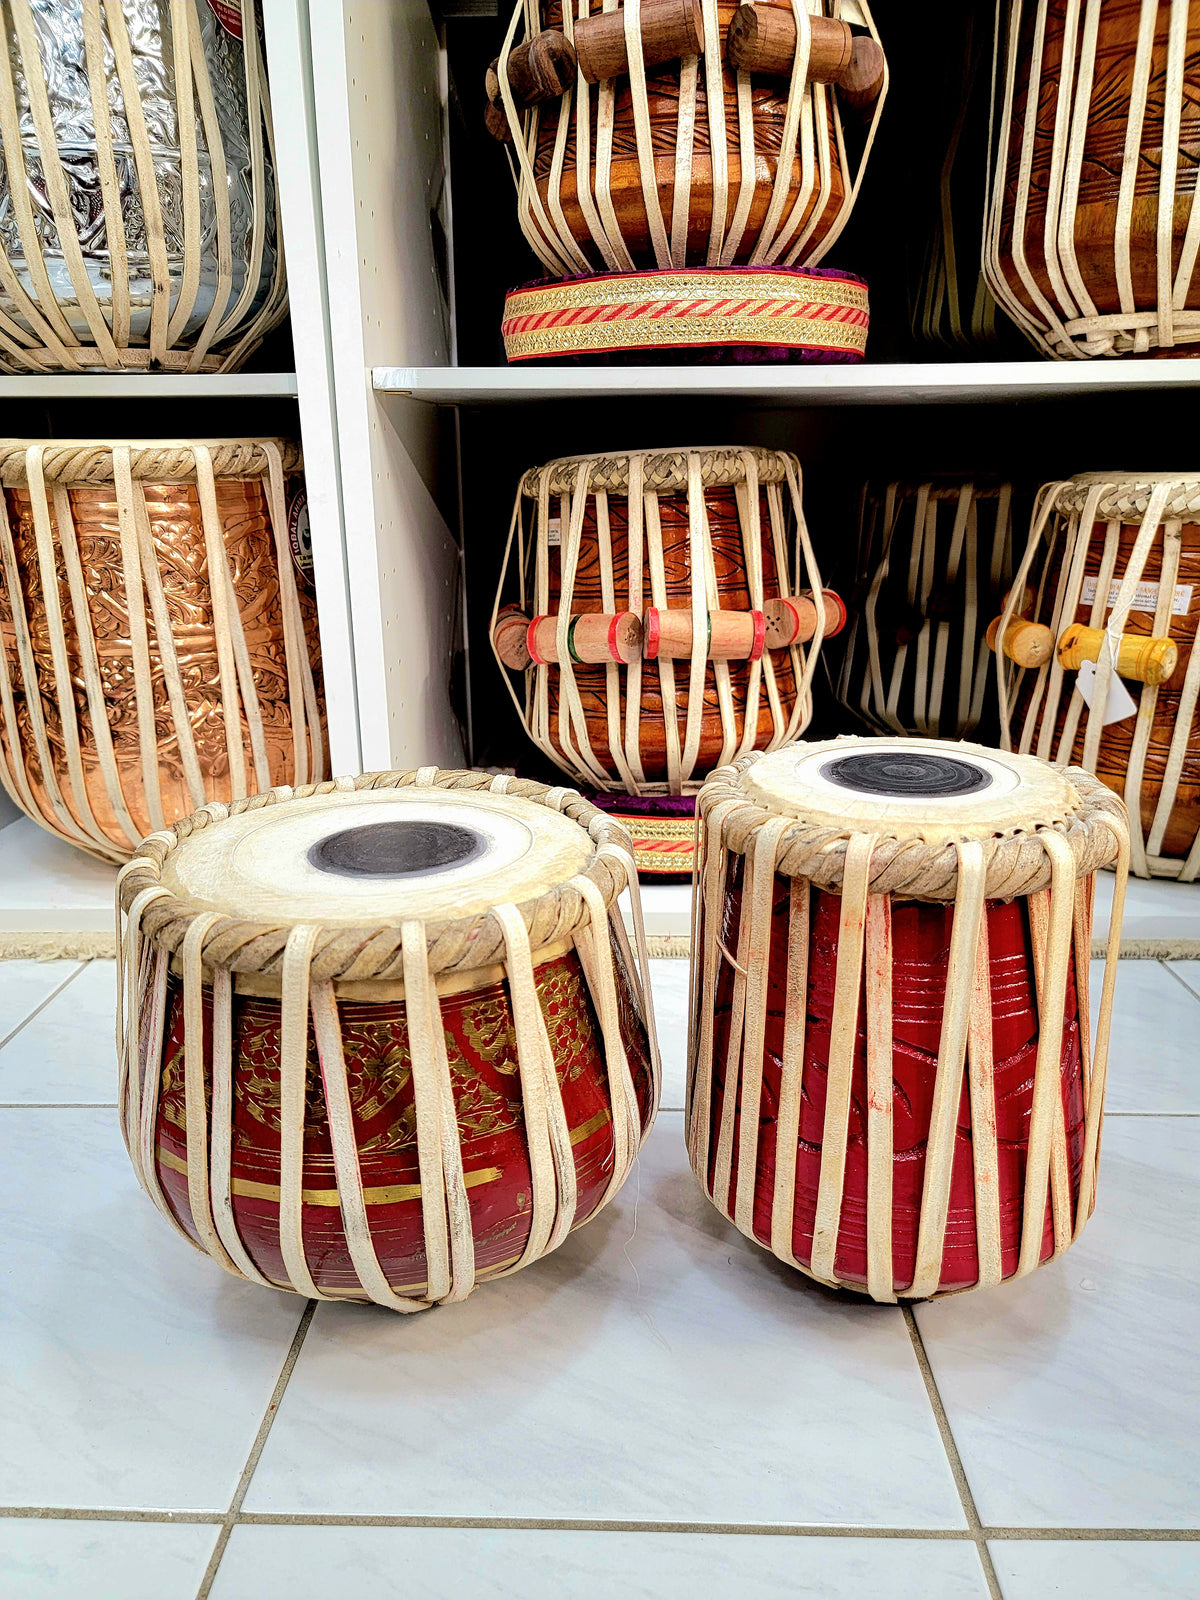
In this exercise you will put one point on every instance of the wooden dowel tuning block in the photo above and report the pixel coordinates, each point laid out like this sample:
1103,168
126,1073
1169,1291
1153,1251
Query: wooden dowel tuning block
543,68
670,29
763,39
728,636
793,620
593,637
1140,657
508,638
1029,644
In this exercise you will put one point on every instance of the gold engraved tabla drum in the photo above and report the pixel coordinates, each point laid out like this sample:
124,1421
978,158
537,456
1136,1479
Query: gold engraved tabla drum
133,687
893,1081
1093,229
655,620
138,219
385,1037
934,562
1111,577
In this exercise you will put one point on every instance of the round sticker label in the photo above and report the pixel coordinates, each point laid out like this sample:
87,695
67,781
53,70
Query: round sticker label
299,535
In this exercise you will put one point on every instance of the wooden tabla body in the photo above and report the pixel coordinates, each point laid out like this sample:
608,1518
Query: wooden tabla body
686,164
1122,554
934,562
1092,233
893,1083
692,531
385,1037
132,687
139,224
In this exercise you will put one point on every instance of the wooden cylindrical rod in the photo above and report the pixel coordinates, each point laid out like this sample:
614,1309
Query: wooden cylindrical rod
592,637
730,635
508,638
1027,643
1140,657
794,620
543,68
670,29
763,39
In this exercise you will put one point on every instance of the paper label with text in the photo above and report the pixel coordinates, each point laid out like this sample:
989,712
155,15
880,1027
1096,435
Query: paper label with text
1145,596
554,531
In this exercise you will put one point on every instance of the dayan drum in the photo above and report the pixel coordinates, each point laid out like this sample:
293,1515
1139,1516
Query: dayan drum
656,627
1101,628
893,1080
934,560
673,134
385,1037
158,641
1092,233
139,226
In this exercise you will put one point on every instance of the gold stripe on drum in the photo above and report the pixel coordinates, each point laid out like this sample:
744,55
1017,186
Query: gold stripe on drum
391,1194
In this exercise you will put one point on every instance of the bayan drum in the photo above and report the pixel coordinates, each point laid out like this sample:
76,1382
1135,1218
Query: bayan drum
934,560
687,134
1093,229
383,1038
893,1083
134,687
1117,601
139,226
656,627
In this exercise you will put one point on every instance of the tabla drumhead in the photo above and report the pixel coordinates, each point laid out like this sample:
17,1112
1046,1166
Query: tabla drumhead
927,788
377,856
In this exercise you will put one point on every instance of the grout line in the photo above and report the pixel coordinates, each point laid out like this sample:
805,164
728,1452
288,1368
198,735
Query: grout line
1165,964
256,1450
316,1519
955,1460
67,1105
38,1009
1108,1114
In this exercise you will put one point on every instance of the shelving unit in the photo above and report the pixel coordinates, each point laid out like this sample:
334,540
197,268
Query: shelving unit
400,233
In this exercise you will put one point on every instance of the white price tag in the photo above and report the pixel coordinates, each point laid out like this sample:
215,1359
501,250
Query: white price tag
1120,703
554,531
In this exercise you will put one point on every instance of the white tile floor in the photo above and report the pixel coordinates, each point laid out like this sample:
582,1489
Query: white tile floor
659,1410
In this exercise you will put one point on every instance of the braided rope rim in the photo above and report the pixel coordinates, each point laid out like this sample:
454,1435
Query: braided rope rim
1018,863
663,471
1128,498
372,951
91,461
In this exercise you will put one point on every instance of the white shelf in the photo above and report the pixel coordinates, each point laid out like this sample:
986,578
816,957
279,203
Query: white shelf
148,386
928,383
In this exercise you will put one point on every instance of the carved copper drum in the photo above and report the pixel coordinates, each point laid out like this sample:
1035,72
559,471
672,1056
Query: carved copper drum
127,702
918,1125
1091,243
395,1137
640,727
579,222
1151,757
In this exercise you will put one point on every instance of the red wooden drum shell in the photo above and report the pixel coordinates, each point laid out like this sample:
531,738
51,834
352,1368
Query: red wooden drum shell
921,942
487,1092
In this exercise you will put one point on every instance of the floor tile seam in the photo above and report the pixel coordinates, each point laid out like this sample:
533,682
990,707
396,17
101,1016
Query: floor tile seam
256,1449
808,1530
954,1460
38,1009
1179,979
58,1105
1109,1113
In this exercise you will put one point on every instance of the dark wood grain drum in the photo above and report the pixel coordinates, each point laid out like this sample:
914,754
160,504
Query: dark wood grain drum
1112,573
656,626
671,157
384,1038
158,632
1093,235
893,1081
934,560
